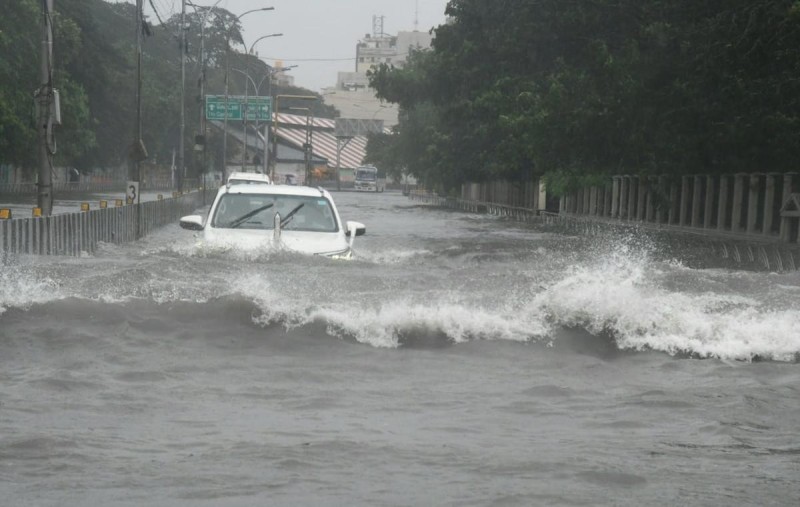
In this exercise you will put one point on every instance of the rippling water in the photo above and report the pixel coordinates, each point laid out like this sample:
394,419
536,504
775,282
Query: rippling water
460,360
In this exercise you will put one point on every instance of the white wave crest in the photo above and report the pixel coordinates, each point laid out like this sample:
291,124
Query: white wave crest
20,290
622,296
389,323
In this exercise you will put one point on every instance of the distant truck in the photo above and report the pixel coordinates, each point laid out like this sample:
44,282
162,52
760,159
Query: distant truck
369,179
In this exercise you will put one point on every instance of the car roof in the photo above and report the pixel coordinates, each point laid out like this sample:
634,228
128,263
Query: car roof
249,177
276,190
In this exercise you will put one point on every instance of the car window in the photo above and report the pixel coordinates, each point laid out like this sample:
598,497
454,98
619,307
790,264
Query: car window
257,211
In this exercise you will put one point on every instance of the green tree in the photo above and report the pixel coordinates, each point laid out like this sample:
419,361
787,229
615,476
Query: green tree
579,90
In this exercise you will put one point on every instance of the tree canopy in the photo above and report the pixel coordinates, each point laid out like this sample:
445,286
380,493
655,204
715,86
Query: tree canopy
516,89
95,72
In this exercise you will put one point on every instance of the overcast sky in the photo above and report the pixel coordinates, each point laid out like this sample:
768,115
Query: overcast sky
319,36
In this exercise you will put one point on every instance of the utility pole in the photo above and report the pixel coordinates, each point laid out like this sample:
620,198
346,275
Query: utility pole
203,103
181,147
138,152
48,113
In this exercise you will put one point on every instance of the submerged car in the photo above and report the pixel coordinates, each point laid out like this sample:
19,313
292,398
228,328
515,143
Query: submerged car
253,217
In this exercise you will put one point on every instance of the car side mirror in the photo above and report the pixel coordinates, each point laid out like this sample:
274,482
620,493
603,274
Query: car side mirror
357,227
192,222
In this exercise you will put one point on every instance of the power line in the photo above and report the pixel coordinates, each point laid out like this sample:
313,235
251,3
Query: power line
158,16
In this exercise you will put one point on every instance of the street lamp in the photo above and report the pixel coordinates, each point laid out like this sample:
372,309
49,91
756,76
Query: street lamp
227,72
246,90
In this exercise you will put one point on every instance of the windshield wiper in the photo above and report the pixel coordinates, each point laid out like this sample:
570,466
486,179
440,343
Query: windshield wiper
233,224
290,215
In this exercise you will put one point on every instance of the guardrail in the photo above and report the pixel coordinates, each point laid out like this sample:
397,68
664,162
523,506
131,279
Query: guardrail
475,206
754,205
90,187
78,233
754,252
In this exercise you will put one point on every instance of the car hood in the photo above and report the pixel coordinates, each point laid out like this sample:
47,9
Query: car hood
313,243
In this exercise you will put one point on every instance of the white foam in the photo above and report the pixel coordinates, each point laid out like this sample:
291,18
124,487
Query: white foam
622,296
387,324
391,256
20,290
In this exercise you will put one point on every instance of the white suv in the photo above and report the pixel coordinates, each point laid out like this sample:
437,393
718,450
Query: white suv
253,217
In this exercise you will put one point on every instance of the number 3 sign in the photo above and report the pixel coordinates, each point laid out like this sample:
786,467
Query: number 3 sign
132,192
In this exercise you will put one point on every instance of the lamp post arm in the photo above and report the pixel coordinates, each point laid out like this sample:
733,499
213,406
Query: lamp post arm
253,45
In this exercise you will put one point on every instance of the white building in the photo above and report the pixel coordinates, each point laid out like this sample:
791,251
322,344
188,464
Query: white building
352,95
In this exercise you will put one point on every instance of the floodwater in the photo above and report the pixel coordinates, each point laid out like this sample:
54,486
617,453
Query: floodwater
460,359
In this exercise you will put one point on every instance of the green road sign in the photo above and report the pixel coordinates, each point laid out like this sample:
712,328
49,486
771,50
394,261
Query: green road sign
257,108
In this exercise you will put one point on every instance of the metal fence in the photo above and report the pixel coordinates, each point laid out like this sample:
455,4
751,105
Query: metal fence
756,206
78,233
753,251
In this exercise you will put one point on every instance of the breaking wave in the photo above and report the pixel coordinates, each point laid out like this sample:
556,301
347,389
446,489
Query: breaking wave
641,304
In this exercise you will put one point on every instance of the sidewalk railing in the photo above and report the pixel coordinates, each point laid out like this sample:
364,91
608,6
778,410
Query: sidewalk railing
78,233
62,187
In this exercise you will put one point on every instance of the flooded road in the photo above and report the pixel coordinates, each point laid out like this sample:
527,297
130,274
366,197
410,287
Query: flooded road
460,359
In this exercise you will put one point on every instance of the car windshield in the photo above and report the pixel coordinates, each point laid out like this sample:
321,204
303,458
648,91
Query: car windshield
257,211
366,175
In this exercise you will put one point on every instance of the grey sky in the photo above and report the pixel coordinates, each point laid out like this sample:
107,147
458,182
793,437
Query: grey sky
319,36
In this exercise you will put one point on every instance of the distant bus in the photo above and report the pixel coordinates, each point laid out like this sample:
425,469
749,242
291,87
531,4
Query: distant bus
370,179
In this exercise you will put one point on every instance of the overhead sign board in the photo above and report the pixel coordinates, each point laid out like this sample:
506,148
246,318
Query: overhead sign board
257,108
351,127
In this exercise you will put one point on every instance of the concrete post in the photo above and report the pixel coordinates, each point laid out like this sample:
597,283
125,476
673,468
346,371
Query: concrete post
709,209
685,189
615,193
623,197
587,194
601,201
722,207
641,197
608,200
593,201
632,187
650,212
770,191
541,196
697,200
738,198
752,203
788,180
674,204
661,205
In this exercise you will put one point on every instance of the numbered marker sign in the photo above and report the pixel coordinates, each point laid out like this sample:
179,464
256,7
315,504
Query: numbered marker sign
132,192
